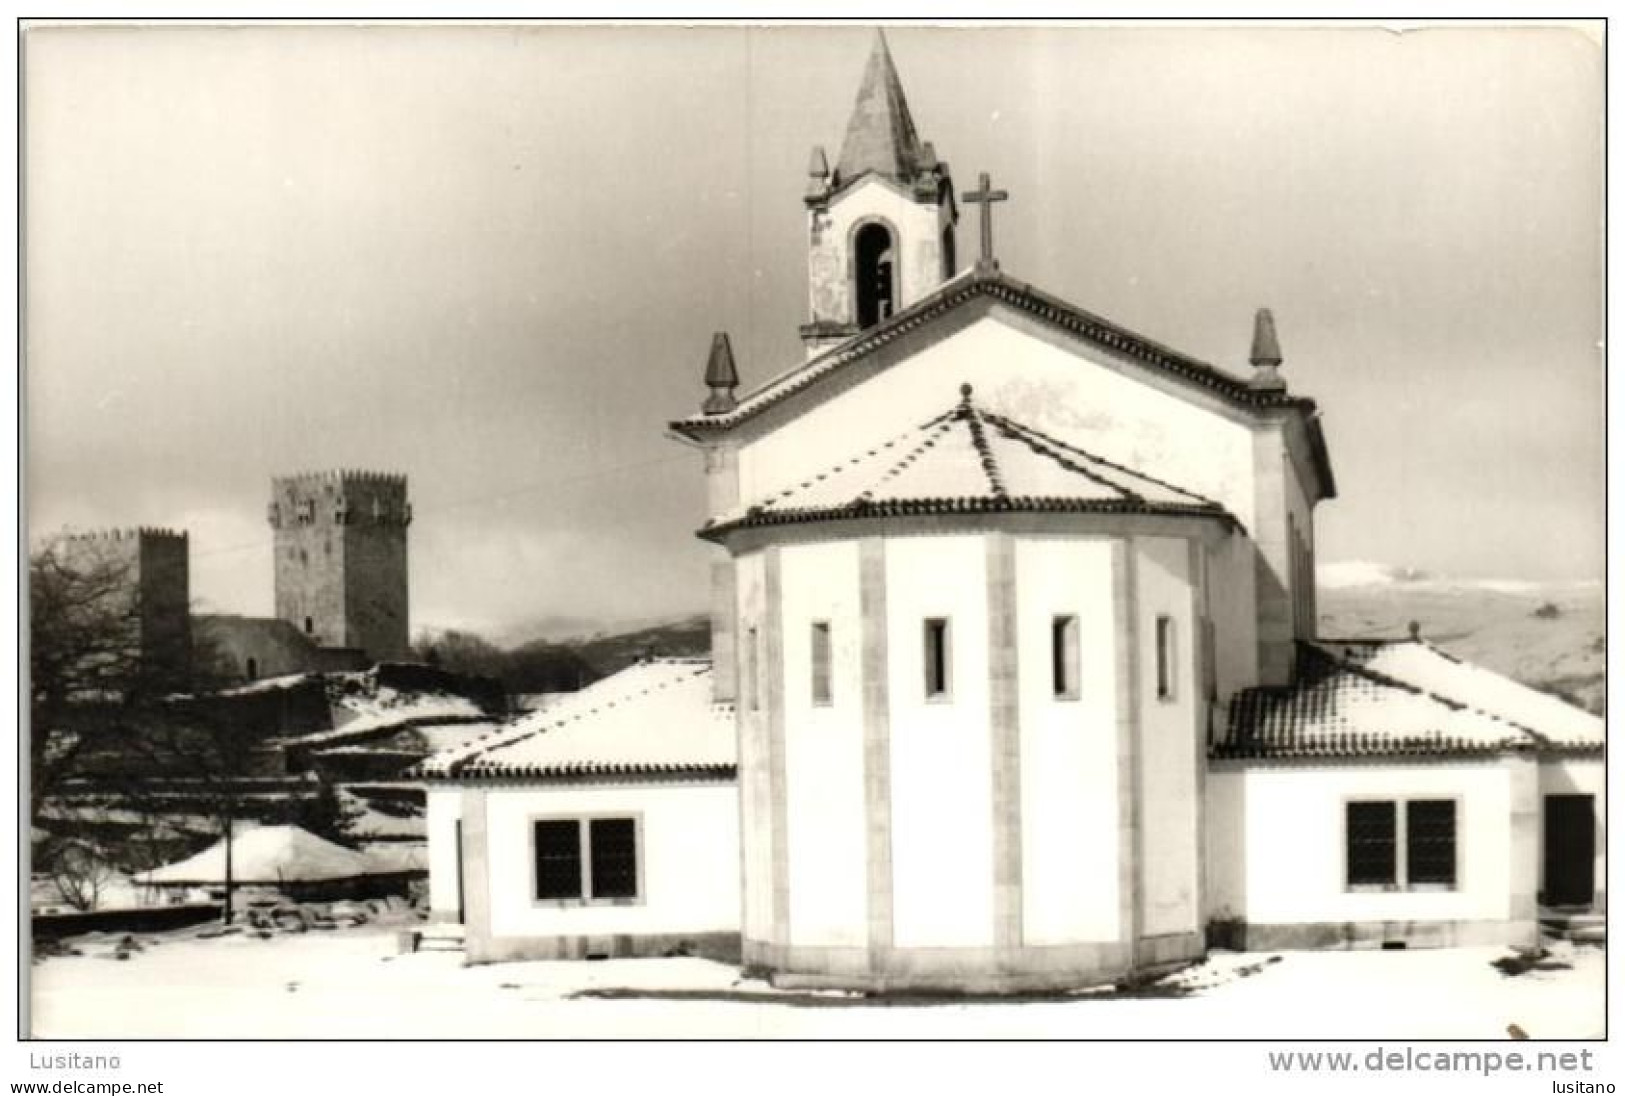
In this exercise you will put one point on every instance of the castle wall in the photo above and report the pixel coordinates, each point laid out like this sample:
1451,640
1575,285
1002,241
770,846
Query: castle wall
341,559
150,589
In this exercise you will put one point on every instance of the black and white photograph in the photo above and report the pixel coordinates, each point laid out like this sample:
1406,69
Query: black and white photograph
807,530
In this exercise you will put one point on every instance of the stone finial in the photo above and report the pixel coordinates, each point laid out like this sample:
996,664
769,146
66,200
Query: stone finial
1266,355
818,180
720,377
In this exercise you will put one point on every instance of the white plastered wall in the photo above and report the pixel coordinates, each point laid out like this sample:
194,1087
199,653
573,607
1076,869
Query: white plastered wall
443,810
689,849
755,790
918,264
942,810
1066,393
1276,842
1169,779
824,764
1069,786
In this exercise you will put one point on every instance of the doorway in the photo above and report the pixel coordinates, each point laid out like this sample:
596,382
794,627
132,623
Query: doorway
460,871
1571,850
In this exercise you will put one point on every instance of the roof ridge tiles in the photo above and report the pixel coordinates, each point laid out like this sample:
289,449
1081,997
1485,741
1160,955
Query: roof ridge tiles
1021,295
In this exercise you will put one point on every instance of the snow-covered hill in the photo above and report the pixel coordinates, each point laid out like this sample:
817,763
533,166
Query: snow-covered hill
1546,634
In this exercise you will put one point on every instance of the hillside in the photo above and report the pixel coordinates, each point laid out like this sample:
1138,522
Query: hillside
1548,635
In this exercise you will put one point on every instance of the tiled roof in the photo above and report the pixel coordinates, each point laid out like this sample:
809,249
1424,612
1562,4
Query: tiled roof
1000,287
1344,705
1420,663
653,717
969,460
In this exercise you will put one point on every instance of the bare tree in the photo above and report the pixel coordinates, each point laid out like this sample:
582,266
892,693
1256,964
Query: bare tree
80,872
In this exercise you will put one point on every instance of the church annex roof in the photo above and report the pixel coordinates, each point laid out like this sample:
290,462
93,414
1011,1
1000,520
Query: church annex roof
1398,698
969,460
997,286
880,136
653,718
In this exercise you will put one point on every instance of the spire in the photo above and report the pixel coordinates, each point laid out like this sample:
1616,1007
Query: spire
1266,355
720,377
880,136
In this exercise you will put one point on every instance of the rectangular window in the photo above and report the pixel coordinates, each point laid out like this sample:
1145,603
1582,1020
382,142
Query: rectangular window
821,692
1372,855
1430,842
558,858
614,845
748,678
1064,657
586,858
936,657
1426,857
1165,658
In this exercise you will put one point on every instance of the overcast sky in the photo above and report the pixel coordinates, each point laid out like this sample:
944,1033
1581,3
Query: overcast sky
492,258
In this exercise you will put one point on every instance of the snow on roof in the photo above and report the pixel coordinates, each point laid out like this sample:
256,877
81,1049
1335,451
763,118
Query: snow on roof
1397,698
388,857
1421,664
265,854
653,716
383,714
969,459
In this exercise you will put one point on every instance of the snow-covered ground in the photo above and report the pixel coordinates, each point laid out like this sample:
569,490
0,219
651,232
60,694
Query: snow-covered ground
353,983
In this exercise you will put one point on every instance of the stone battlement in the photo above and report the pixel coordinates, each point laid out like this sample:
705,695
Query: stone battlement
344,477
139,532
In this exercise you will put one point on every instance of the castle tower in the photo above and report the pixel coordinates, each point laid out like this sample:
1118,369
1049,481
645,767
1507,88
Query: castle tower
146,575
340,548
881,224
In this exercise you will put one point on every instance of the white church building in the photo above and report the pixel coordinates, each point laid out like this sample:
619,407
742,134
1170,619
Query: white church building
1015,679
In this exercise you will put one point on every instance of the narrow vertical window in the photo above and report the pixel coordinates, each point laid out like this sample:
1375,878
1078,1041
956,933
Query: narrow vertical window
310,626
936,657
1371,852
821,690
1165,658
558,858
614,857
1064,657
1430,842
752,691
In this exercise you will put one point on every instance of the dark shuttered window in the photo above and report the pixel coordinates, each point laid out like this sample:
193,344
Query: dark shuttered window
1063,657
936,657
1401,844
558,858
821,690
1430,841
1372,856
614,844
586,858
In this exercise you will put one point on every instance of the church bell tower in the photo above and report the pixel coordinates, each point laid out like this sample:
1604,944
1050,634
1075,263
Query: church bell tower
881,223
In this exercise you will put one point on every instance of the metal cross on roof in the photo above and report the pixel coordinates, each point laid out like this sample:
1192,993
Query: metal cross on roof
985,196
